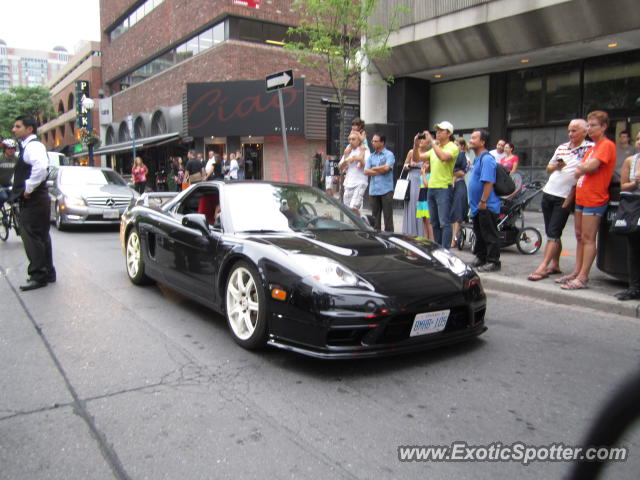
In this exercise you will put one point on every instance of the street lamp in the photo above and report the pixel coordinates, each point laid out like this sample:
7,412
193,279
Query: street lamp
88,104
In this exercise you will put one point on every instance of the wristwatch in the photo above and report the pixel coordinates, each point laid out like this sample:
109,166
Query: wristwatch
483,201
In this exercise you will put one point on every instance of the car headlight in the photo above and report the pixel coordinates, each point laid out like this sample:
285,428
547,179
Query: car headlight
74,202
329,272
450,261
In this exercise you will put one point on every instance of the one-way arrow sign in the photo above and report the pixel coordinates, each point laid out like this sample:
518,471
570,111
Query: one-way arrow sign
279,80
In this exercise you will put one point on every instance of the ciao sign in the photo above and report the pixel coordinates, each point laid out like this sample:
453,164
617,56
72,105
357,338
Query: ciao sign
241,108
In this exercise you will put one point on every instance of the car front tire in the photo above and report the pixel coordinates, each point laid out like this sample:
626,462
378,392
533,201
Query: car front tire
135,264
60,225
246,307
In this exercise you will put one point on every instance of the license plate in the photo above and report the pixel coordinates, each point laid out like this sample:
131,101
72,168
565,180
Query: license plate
430,322
110,214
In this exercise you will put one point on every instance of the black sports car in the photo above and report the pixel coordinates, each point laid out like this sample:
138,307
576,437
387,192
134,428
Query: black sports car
291,267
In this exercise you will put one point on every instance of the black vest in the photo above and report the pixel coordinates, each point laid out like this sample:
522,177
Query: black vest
21,173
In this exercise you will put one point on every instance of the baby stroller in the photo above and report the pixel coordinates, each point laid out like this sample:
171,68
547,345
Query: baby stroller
511,228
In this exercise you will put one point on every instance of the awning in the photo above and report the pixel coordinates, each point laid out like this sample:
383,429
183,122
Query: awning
141,143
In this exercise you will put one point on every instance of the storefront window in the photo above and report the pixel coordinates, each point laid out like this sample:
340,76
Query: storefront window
613,84
543,95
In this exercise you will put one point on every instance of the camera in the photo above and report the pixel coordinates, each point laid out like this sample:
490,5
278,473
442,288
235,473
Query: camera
422,136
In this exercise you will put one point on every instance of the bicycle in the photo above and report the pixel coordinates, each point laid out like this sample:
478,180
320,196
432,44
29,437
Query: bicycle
9,219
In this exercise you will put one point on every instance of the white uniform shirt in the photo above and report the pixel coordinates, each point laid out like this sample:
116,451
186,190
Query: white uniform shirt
562,181
35,154
355,176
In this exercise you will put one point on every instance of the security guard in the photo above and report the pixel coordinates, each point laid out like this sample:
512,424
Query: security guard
29,186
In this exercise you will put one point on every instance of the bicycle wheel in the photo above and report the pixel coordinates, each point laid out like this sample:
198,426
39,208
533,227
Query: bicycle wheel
461,238
6,225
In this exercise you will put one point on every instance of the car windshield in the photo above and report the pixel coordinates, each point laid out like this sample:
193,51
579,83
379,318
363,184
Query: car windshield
90,176
262,207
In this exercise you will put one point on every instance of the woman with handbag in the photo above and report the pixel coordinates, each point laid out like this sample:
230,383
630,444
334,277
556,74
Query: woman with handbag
629,184
411,224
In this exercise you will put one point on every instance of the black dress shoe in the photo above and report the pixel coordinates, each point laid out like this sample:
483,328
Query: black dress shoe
51,278
631,294
32,285
478,262
490,267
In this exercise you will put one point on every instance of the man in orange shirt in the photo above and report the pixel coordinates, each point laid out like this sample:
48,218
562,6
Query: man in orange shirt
592,197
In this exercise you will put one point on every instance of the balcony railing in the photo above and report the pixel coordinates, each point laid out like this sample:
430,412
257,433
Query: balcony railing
421,10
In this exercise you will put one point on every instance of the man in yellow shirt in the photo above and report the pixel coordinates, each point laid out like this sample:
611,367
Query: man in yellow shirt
442,158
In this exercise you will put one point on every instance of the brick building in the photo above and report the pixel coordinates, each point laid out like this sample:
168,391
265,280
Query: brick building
61,133
153,51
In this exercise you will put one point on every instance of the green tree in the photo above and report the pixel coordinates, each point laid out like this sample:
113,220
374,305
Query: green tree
18,101
339,36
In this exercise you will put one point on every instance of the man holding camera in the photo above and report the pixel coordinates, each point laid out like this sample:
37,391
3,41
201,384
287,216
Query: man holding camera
442,158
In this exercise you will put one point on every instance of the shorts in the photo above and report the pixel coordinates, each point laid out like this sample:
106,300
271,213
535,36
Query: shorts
328,182
555,217
354,196
599,211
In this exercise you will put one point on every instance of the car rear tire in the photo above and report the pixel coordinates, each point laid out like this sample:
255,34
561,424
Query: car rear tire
135,264
529,240
246,307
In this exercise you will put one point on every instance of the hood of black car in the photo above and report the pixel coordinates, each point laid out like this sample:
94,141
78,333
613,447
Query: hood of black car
370,252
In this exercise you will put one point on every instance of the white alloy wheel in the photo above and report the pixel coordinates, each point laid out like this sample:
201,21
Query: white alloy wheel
246,306
135,264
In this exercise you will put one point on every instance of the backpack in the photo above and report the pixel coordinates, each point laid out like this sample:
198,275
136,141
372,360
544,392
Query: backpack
504,185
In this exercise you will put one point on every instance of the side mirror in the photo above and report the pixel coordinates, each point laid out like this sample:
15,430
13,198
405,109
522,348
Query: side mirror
369,220
197,221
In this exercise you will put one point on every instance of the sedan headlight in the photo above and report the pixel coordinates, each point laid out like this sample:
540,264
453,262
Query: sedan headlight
74,202
329,272
450,261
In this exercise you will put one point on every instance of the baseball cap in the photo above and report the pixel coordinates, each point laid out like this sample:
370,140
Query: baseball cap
445,126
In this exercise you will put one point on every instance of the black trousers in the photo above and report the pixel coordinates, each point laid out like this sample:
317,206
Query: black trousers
34,230
633,260
485,228
383,205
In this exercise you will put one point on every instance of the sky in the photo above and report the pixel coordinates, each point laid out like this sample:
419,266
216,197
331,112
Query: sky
49,23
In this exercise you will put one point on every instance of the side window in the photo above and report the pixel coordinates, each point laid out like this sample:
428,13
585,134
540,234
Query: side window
53,173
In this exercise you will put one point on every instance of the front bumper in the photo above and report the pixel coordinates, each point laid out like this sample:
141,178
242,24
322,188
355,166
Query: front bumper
363,337
91,215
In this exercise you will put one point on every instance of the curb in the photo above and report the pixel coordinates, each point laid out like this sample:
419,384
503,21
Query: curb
589,298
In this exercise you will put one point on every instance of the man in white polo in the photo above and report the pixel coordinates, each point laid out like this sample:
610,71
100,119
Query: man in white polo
355,180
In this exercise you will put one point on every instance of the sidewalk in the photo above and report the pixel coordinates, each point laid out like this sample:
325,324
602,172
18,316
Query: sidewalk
516,267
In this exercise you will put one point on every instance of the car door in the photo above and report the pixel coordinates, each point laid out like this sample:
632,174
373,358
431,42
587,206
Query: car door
190,259
52,188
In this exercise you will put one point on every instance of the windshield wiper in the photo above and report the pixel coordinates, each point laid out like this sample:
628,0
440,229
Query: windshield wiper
262,231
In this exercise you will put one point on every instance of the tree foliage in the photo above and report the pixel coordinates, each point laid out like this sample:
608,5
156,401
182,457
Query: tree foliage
18,101
339,36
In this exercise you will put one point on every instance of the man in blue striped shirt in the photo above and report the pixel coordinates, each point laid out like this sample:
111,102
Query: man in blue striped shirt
379,166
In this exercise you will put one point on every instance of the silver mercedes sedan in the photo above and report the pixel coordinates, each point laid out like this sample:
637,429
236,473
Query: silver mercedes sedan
87,195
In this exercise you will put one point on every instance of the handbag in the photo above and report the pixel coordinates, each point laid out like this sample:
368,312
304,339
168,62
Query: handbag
402,190
195,177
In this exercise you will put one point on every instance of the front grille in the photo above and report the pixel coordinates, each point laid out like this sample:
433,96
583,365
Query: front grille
104,201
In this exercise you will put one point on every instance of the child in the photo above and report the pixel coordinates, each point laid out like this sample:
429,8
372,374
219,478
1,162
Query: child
422,211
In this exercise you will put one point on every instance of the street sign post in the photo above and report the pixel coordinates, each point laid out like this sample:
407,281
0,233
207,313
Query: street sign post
278,81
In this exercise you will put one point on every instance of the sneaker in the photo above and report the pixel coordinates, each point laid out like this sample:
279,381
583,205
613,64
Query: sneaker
490,267
478,262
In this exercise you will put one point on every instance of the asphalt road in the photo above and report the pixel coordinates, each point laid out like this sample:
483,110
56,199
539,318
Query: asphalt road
102,379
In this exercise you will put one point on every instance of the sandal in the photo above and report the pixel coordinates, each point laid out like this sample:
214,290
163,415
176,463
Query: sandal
566,278
556,271
575,284
535,276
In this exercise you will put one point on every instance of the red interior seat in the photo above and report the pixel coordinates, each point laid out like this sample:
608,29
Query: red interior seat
207,206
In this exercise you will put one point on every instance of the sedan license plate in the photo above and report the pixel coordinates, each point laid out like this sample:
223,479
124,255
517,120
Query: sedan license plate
111,214
430,322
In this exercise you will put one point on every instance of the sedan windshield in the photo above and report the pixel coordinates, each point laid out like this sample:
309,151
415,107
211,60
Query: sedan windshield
258,207
90,176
